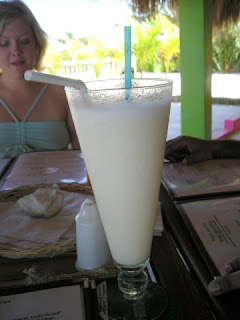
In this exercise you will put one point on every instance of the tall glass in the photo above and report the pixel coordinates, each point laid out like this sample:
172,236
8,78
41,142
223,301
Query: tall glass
122,133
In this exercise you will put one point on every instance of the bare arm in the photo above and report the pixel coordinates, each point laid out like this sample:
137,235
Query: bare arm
71,128
60,111
226,149
190,150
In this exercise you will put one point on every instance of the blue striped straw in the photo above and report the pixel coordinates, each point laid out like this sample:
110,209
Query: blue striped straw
128,68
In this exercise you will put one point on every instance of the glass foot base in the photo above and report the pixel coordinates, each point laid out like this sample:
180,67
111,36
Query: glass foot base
149,307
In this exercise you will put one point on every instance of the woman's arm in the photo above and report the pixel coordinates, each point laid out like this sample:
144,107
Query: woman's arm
71,128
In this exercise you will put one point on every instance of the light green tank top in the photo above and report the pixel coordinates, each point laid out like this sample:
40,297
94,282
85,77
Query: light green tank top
22,136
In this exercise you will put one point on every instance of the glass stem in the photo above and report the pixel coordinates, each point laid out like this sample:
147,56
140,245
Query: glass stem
133,283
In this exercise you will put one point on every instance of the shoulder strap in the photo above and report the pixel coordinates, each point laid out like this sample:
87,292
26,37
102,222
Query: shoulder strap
35,102
8,110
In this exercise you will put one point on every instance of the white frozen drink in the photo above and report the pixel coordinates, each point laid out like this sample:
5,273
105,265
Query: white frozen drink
123,146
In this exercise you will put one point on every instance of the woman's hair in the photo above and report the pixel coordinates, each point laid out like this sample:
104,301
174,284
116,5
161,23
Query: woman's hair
13,9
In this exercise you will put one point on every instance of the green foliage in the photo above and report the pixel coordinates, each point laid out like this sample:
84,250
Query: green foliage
76,50
226,49
70,35
169,48
84,41
155,44
98,52
146,44
53,58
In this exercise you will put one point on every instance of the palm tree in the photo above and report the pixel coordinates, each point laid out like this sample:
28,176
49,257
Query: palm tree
55,54
226,49
77,50
146,43
98,52
169,43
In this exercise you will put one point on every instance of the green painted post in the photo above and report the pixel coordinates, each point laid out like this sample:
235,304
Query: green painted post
195,21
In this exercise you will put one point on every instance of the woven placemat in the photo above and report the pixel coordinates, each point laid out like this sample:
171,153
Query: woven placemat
14,194
60,247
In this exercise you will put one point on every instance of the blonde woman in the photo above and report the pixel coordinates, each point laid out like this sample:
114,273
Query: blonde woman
33,116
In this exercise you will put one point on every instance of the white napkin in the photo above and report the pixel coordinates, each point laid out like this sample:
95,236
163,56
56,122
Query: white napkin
17,226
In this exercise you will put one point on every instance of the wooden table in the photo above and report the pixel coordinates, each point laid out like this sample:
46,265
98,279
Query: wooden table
176,264
184,290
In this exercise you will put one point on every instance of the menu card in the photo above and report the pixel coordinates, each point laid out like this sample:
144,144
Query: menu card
214,225
51,304
47,167
203,179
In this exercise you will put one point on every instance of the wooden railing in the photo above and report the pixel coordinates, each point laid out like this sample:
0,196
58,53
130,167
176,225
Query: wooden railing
85,69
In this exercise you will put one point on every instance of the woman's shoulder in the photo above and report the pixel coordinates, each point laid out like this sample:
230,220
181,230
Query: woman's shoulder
56,90
56,93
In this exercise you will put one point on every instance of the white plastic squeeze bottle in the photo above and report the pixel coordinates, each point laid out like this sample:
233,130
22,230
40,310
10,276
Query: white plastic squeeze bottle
92,247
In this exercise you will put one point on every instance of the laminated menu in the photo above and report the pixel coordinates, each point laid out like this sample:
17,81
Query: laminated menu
47,304
46,167
204,179
214,225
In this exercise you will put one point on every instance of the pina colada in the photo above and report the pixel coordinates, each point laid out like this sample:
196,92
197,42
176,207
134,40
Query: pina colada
123,146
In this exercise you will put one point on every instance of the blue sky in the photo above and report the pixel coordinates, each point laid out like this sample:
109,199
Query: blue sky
81,17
